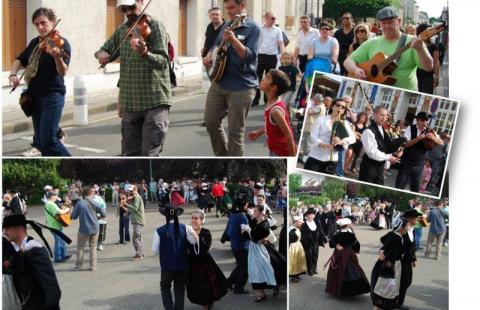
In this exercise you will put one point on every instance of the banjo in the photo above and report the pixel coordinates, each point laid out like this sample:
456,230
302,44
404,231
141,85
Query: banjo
219,53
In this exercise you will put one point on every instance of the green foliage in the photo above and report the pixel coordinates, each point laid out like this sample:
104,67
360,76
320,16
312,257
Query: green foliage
292,202
31,175
294,182
377,193
333,188
358,8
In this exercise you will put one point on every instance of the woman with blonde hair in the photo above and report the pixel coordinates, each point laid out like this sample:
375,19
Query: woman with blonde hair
361,34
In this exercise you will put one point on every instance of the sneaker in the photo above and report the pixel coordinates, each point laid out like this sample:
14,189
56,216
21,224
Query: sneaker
75,268
136,257
92,268
33,152
100,248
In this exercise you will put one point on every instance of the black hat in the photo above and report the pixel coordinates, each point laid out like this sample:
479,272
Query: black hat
169,209
310,211
14,220
412,213
387,13
423,115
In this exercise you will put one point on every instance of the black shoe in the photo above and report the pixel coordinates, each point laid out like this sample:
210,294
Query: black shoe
315,272
67,258
276,291
310,273
241,292
260,299
120,242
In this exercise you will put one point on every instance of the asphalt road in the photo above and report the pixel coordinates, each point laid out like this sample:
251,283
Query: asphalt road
121,283
186,136
429,289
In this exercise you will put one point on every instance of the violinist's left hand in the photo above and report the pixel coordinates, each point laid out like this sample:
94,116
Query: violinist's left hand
139,47
56,53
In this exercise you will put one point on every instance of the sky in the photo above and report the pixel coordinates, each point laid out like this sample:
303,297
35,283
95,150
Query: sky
432,7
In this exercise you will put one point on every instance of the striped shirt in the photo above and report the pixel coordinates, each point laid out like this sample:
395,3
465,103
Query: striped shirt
144,82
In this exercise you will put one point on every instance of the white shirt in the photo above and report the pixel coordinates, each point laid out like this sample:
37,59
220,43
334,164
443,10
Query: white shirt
321,133
304,40
311,225
370,145
269,40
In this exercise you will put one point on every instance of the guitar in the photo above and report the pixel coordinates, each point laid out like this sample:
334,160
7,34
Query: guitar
380,68
219,53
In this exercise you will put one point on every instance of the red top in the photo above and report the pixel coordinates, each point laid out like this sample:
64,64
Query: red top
276,141
217,190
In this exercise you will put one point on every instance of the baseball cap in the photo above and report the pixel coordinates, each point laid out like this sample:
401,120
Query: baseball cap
387,12
125,2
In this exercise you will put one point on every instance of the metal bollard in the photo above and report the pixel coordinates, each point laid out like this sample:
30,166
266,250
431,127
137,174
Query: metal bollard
80,106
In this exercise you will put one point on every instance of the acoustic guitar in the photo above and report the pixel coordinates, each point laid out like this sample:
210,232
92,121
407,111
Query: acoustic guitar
219,54
380,68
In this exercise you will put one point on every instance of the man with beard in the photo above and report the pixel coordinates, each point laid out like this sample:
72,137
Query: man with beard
144,82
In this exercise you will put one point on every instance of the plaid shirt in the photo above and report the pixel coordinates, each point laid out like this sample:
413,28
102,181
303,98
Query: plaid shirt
144,82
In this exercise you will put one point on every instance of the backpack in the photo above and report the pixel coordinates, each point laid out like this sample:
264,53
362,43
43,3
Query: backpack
286,41
171,63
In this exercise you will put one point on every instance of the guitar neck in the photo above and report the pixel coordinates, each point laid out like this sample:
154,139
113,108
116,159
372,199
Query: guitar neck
395,56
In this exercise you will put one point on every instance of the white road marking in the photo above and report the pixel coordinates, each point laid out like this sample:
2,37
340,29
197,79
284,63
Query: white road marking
88,149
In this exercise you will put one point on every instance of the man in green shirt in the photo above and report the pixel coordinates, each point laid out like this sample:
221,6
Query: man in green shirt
51,211
413,58
135,205
144,99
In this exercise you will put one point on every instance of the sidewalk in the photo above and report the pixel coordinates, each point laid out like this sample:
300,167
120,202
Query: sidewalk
16,121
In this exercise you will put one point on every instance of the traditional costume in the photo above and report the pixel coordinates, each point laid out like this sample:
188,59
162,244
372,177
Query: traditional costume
297,263
345,277
312,236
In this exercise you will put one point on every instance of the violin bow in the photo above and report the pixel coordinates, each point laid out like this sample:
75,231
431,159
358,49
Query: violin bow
38,51
127,33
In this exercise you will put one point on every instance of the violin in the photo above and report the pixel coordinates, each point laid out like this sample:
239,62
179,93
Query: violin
51,41
141,31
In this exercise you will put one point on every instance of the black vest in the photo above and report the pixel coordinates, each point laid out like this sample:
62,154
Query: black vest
383,144
415,154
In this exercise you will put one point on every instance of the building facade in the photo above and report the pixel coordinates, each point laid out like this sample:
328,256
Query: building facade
402,104
88,23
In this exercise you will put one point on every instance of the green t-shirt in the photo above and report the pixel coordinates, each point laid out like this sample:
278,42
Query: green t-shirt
406,72
51,210
137,210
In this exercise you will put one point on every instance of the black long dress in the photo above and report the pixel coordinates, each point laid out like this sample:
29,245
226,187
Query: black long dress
345,277
408,259
393,251
311,240
278,261
206,282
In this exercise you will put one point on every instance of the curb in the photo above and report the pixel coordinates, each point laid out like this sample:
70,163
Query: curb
17,126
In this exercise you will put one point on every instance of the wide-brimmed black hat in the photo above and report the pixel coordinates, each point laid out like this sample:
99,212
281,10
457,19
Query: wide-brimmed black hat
423,115
169,209
14,220
310,211
412,213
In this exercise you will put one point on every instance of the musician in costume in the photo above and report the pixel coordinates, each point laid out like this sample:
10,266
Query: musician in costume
28,261
379,148
170,243
145,89
418,137
330,134
232,95
413,58
46,66
60,253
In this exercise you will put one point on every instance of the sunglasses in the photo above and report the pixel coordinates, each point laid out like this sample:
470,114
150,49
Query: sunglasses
340,106
361,31
273,18
125,8
325,29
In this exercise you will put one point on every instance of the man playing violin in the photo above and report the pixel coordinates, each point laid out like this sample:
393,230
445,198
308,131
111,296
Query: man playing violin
47,58
415,153
416,57
145,91
234,92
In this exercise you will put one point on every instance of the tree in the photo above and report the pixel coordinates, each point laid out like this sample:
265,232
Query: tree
359,9
333,188
294,182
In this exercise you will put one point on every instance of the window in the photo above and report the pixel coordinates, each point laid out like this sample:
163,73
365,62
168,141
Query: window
387,96
413,100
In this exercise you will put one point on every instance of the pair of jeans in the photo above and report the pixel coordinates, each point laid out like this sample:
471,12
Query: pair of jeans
418,232
239,276
178,278
59,248
124,231
46,116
